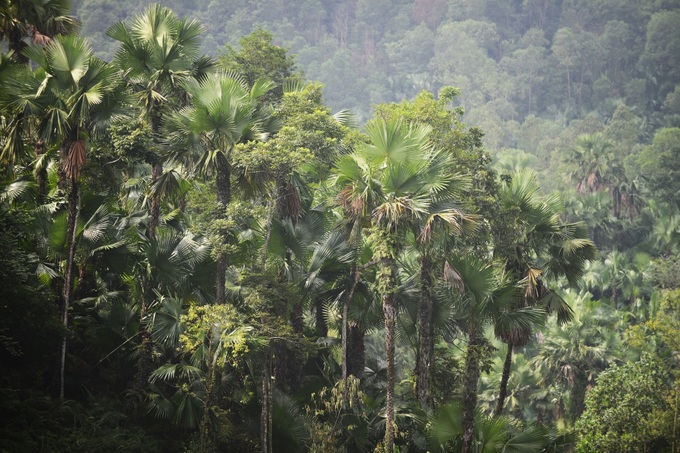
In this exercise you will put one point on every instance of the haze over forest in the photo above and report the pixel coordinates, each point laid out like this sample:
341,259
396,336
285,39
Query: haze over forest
466,237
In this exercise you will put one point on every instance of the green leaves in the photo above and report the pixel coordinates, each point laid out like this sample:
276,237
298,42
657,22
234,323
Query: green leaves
224,113
445,433
69,57
393,141
629,409
165,325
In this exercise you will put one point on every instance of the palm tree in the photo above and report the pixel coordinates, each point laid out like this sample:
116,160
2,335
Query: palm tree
483,296
18,85
397,178
615,267
591,161
41,20
79,94
544,249
573,354
224,113
522,381
595,168
666,232
158,52
444,220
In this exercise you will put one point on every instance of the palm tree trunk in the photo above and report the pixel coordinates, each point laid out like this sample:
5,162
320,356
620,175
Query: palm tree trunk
345,314
578,396
16,45
156,172
266,413
387,287
568,84
356,357
73,210
289,360
343,335
390,312
502,393
223,183
423,370
204,429
155,214
470,390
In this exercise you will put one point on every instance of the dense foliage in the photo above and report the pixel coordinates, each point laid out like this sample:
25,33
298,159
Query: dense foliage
198,255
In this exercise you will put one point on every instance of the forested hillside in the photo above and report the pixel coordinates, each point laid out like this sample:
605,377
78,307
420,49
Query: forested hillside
526,69
352,226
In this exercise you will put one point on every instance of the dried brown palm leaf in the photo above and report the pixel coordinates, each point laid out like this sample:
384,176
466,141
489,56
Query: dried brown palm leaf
453,278
77,154
291,201
533,283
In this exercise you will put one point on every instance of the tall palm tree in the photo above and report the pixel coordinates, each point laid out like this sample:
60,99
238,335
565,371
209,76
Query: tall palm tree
444,220
544,249
224,113
158,52
79,95
394,181
483,295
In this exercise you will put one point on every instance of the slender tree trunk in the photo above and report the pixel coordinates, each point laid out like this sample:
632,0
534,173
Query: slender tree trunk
288,359
578,396
502,393
16,45
73,211
390,312
470,390
266,414
204,429
155,215
145,364
267,236
345,315
356,357
343,334
223,183
580,87
156,172
387,286
423,371
529,113
297,319
568,84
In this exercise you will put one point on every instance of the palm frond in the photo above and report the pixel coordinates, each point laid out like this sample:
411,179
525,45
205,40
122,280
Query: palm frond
19,191
165,325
